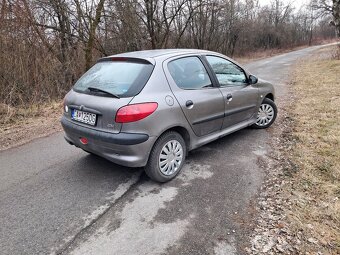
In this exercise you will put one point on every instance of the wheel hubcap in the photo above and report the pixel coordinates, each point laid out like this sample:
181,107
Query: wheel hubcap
170,158
265,115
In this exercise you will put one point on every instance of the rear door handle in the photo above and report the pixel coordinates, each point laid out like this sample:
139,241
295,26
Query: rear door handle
229,97
189,103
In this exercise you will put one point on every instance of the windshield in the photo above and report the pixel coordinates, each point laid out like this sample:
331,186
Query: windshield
121,78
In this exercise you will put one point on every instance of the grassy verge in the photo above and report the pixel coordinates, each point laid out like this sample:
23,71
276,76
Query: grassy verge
20,125
260,54
314,153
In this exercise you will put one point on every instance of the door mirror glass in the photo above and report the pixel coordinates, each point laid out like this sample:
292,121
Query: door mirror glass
252,79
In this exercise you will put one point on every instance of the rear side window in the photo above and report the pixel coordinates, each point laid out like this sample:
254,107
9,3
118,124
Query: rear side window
121,78
189,73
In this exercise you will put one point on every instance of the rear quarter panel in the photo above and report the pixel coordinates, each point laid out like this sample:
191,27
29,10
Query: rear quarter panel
168,113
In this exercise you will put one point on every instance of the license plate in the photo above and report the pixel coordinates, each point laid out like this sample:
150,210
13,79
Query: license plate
84,117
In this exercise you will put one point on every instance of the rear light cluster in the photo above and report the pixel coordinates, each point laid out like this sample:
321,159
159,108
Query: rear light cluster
135,112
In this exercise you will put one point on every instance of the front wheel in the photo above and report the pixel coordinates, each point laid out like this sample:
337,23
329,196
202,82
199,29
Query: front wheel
167,157
266,115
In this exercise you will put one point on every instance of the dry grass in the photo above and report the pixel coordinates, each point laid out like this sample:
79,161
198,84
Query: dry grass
21,125
315,187
260,54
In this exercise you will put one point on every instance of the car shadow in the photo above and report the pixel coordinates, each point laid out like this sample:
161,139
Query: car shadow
239,140
96,168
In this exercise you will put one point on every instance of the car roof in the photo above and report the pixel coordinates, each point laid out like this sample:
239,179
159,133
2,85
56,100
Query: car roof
151,54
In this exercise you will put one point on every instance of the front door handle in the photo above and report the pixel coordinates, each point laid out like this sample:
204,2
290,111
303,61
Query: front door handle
229,97
189,103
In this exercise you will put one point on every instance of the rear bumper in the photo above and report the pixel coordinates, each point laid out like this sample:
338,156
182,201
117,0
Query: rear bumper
127,149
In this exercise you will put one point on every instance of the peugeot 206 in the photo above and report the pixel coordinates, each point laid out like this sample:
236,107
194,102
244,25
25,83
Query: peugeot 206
150,108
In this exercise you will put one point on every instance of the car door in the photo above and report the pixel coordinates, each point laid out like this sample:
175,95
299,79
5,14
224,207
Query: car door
200,100
240,97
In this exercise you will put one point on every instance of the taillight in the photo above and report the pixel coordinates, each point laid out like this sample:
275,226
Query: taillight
135,112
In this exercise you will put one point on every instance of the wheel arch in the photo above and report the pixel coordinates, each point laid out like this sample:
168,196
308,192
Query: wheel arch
270,96
183,132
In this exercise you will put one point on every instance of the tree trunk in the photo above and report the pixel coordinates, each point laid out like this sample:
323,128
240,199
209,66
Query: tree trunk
92,34
336,16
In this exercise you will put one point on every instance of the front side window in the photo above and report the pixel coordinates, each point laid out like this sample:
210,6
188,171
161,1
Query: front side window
189,73
227,73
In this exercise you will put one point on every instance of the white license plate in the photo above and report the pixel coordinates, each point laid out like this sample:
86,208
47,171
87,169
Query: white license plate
85,117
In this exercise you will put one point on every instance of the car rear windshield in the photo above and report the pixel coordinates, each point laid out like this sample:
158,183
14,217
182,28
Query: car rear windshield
120,78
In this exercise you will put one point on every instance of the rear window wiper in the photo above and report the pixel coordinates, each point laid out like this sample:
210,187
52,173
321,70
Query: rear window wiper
103,91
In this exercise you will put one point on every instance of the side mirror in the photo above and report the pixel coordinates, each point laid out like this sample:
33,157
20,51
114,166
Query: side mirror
252,79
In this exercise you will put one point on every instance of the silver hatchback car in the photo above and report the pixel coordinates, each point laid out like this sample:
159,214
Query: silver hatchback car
150,108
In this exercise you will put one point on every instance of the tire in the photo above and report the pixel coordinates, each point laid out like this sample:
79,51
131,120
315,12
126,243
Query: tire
171,146
266,115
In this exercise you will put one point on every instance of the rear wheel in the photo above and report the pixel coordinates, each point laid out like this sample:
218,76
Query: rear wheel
266,114
167,157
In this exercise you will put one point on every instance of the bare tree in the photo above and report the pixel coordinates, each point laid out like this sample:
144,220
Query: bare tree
93,24
54,41
329,7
